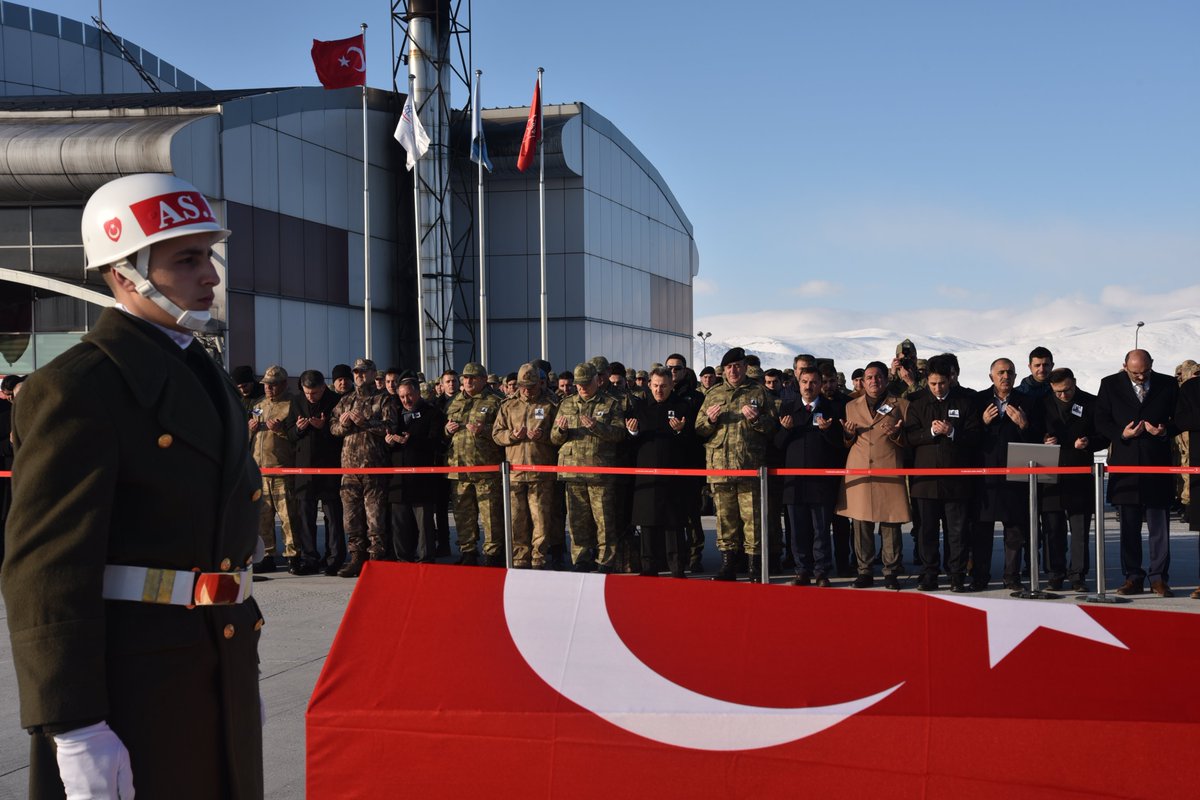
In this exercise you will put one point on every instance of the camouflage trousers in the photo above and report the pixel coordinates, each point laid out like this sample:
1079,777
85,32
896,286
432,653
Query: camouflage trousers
278,498
364,511
738,510
475,498
532,519
590,514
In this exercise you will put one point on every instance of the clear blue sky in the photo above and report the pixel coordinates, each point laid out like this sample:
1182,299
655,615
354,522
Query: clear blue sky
856,155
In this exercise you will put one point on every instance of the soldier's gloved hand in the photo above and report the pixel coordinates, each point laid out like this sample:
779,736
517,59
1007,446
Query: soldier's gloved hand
94,764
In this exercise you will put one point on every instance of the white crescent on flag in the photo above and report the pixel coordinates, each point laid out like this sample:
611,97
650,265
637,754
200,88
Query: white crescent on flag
362,58
560,624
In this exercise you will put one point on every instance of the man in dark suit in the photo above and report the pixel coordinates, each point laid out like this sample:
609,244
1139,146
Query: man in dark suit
317,447
1006,416
1069,421
810,437
1187,419
132,470
943,430
1135,409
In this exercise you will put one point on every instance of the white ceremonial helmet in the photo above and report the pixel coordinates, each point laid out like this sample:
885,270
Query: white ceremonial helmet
124,217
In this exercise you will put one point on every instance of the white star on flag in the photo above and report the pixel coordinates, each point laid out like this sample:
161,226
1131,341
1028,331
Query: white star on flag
1010,622
343,61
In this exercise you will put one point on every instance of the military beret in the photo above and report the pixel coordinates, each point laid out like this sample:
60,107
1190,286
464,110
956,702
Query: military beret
585,372
732,356
341,371
242,374
474,369
708,371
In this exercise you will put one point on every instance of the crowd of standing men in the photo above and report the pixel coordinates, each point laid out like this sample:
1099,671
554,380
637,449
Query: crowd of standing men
568,430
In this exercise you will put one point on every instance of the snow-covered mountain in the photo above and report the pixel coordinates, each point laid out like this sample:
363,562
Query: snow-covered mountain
1091,353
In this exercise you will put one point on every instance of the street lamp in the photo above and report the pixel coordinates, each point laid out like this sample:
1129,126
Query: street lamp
704,341
1136,331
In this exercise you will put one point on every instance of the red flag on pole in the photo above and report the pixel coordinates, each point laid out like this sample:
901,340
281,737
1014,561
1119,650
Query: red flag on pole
340,63
533,129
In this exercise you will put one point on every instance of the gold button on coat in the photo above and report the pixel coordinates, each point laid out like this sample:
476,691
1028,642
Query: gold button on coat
229,631
226,564
257,494
166,440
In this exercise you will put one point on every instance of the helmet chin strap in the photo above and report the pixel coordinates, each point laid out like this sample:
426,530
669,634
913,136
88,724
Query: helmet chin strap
191,320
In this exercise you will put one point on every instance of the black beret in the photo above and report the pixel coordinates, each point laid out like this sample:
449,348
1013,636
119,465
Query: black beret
733,355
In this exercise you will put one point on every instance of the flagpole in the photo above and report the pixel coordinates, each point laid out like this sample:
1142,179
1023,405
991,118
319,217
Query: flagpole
542,207
483,317
417,242
366,218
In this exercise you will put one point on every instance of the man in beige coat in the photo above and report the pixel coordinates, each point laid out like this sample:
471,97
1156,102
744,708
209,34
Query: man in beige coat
874,434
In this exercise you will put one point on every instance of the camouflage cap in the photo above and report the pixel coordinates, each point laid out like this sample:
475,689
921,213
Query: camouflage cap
473,369
528,375
275,374
754,373
643,374
600,363
493,378
906,348
364,365
586,372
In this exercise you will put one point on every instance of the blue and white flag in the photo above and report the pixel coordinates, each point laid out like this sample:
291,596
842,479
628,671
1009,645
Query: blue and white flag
478,143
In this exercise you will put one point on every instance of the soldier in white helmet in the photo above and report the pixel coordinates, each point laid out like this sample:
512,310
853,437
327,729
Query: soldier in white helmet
133,526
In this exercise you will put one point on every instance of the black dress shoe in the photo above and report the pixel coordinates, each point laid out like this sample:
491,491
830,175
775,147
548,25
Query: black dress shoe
264,566
331,570
979,585
1014,586
1055,584
822,581
891,582
301,567
927,584
863,582
958,586
1079,586
802,579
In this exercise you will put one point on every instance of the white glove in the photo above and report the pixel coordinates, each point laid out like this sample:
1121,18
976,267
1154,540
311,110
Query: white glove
94,764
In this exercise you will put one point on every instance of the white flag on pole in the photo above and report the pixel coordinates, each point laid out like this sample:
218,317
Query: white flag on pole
479,152
411,135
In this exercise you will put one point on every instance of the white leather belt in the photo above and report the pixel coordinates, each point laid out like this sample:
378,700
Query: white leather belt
176,587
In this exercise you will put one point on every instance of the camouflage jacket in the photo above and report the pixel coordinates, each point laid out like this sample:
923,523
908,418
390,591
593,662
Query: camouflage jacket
363,445
732,441
274,448
598,446
537,414
467,449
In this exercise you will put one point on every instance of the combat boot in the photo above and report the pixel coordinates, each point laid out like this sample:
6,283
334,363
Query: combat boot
353,567
755,575
728,570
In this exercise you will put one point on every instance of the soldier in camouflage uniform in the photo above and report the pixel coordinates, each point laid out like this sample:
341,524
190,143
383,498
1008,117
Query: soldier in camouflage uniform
470,418
363,418
523,428
737,420
589,426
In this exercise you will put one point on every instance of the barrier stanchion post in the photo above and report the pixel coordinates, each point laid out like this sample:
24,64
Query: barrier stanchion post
505,485
1100,596
1033,592
764,517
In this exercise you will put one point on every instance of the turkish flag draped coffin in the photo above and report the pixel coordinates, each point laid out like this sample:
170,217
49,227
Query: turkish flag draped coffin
456,682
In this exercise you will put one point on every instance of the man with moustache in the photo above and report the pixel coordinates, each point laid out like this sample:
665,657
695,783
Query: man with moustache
470,418
736,423
874,437
943,431
1069,421
416,443
523,427
1135,410
1007,417
810,437
685,386
316,446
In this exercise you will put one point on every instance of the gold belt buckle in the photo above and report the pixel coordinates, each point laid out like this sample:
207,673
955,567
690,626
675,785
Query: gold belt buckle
217,588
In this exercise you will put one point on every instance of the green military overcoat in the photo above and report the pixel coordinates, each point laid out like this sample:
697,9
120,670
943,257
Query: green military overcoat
125,455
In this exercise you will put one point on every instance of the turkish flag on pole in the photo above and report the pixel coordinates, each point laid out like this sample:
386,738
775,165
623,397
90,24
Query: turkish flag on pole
340,63
611,686
533,129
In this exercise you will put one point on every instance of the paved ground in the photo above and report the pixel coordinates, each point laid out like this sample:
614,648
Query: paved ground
303,615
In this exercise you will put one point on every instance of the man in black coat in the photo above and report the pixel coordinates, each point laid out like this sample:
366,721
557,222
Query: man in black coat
663,435
1006,417
1187,419
686,387
810,437
1069,421
417,442
1135,409
943,430
317,447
